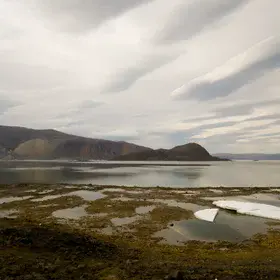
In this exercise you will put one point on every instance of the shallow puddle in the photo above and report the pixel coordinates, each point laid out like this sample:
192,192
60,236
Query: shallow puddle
100,215
13,198
194,192
180,192
216,191
227,227
113,190
124,221
123,198
8,214
88,195
71,213
144,209
47,197
46,191
124,191
107,230
48,205
274,190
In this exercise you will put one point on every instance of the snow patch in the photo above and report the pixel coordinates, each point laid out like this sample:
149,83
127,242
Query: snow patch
207,214
250,208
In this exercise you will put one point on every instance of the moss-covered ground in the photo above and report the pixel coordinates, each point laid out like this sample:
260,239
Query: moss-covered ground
35,245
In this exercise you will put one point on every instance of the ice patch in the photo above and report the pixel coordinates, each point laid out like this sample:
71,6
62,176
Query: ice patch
250,208
208,215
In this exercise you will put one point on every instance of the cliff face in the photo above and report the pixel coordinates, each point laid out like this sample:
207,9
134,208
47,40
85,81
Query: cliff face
97,149
35,148
188,152
3,152
23,143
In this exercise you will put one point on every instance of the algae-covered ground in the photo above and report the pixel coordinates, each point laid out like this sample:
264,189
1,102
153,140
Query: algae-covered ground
95,232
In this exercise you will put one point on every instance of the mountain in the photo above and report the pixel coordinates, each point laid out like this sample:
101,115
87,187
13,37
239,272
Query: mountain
25,143
187,152
3,152
249,156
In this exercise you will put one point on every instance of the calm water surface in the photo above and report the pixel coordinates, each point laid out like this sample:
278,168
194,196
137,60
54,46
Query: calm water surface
169,174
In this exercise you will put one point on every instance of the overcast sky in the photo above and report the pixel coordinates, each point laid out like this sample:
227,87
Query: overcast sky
154,72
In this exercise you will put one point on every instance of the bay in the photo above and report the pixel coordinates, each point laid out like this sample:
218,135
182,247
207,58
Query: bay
144,174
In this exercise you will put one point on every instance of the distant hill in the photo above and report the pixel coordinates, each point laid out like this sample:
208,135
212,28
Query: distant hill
249,156
25,143
188,152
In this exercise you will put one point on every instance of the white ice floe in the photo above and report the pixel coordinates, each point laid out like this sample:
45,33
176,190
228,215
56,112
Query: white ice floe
250,208
207,214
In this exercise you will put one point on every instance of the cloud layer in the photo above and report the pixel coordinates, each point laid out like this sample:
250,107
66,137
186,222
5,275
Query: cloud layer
155,72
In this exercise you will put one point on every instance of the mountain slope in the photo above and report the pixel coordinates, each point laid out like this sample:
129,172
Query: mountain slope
25,143
188,152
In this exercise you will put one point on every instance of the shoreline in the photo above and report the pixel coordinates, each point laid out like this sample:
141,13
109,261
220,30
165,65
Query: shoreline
38,244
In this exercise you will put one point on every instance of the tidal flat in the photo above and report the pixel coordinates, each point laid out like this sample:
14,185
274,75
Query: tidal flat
105,232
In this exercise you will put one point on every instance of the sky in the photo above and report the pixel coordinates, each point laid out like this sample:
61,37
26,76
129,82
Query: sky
158,73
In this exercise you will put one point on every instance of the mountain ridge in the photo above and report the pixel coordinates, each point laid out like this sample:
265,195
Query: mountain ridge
27,143
186,152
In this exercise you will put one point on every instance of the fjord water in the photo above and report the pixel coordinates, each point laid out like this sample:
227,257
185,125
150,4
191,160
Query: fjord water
145,174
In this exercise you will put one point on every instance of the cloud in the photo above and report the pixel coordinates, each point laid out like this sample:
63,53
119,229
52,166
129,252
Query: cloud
211,86
6,104
247,109
89,104
81,16
75,116
192,17
242,109
126,78
59,60
18,76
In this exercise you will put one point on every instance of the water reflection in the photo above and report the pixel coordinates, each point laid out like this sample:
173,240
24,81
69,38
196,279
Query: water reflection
71,213
232,174
13,198
227,227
